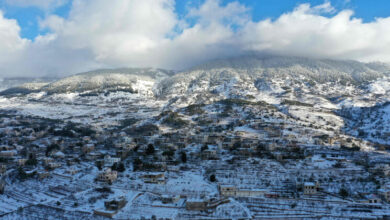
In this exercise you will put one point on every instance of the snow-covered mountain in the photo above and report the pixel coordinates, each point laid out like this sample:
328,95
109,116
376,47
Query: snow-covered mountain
24,82
243,76
131,79
333,95
247,137
134,80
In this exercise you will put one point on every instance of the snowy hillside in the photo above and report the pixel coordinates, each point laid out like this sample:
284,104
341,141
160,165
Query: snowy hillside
242,138
320,70
23,83
271,77
328,94
135,80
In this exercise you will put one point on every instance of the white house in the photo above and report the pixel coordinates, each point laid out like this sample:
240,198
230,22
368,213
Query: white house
109,161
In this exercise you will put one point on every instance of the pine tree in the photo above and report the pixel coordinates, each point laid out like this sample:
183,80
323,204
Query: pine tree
150,149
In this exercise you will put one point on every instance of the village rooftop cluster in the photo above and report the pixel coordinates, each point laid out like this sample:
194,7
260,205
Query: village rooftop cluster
217,161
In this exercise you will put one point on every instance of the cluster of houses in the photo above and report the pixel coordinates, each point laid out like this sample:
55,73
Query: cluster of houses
42,154
111,207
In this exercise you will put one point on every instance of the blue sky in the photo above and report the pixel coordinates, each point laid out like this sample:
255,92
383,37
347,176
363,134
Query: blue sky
368,10
28,17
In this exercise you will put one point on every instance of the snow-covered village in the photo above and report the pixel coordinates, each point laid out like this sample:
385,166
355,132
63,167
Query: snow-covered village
123,144
198,109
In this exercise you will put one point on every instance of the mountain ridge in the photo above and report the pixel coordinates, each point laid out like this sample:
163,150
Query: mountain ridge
334,95
244,70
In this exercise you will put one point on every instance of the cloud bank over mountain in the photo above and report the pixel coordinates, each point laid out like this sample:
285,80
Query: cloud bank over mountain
150,33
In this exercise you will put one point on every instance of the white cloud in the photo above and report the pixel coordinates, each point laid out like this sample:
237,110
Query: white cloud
12,46
211,12
9,35
324,8
100,33
134,33
115,31
305,33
